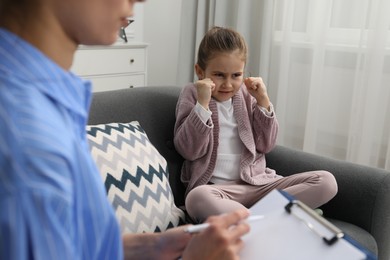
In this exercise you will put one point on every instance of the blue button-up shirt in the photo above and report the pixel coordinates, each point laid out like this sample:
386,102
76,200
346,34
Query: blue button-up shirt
52,200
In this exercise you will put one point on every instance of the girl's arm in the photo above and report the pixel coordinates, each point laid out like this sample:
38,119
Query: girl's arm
191,134
265,127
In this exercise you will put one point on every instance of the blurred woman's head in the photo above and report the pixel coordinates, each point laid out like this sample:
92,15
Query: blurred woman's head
82,21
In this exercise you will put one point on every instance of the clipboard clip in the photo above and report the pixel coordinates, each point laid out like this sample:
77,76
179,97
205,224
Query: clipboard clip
337,233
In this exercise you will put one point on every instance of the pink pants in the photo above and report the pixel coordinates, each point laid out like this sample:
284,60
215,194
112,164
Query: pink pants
314,188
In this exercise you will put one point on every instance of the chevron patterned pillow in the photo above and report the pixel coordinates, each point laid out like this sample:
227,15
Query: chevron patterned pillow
135,176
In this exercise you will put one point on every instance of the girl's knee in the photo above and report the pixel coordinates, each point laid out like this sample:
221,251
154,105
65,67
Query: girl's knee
196,195
329,183
200,202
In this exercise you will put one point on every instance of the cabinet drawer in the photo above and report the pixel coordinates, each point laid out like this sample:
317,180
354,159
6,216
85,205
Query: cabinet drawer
113,82
108,61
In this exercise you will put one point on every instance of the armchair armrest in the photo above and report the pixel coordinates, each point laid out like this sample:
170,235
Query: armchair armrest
363,197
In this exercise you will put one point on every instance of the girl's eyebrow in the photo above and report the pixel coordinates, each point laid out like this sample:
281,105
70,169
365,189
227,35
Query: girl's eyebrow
220,72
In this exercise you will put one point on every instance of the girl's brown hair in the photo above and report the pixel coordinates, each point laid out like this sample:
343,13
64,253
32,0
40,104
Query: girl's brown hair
220,40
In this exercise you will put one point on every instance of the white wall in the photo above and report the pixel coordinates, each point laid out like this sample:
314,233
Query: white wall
135,31
162,32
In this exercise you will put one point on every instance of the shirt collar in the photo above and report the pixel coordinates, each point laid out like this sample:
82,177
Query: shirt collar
21,60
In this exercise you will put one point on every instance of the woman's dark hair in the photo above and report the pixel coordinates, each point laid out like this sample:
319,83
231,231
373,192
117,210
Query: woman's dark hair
17,10
220,40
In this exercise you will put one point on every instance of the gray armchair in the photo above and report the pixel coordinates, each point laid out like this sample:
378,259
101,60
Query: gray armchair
361,208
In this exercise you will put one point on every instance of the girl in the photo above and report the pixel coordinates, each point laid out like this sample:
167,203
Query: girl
224,126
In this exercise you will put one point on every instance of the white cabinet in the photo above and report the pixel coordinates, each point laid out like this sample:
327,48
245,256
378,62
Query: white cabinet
121,65
112,67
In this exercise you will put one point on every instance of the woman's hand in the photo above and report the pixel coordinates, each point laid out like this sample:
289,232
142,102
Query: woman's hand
166,245
221,240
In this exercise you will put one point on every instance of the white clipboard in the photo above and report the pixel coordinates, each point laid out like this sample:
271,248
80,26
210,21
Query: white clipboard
291,230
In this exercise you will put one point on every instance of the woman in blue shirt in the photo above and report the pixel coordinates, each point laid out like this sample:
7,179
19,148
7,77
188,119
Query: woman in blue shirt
52,200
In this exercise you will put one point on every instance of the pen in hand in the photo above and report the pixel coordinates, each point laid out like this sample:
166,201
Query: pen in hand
200,227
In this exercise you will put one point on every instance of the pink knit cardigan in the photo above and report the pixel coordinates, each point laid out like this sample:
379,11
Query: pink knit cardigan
198,142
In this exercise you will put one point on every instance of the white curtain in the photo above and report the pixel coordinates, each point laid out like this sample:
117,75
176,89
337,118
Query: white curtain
327,67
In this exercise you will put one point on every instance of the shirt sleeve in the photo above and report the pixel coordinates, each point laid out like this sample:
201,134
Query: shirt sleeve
269,113
203,114
36,226
36,200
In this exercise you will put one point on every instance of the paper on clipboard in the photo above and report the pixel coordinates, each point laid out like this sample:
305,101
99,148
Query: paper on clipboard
281,235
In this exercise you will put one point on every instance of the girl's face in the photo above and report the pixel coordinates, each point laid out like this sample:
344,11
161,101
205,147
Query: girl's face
226,70
93,22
